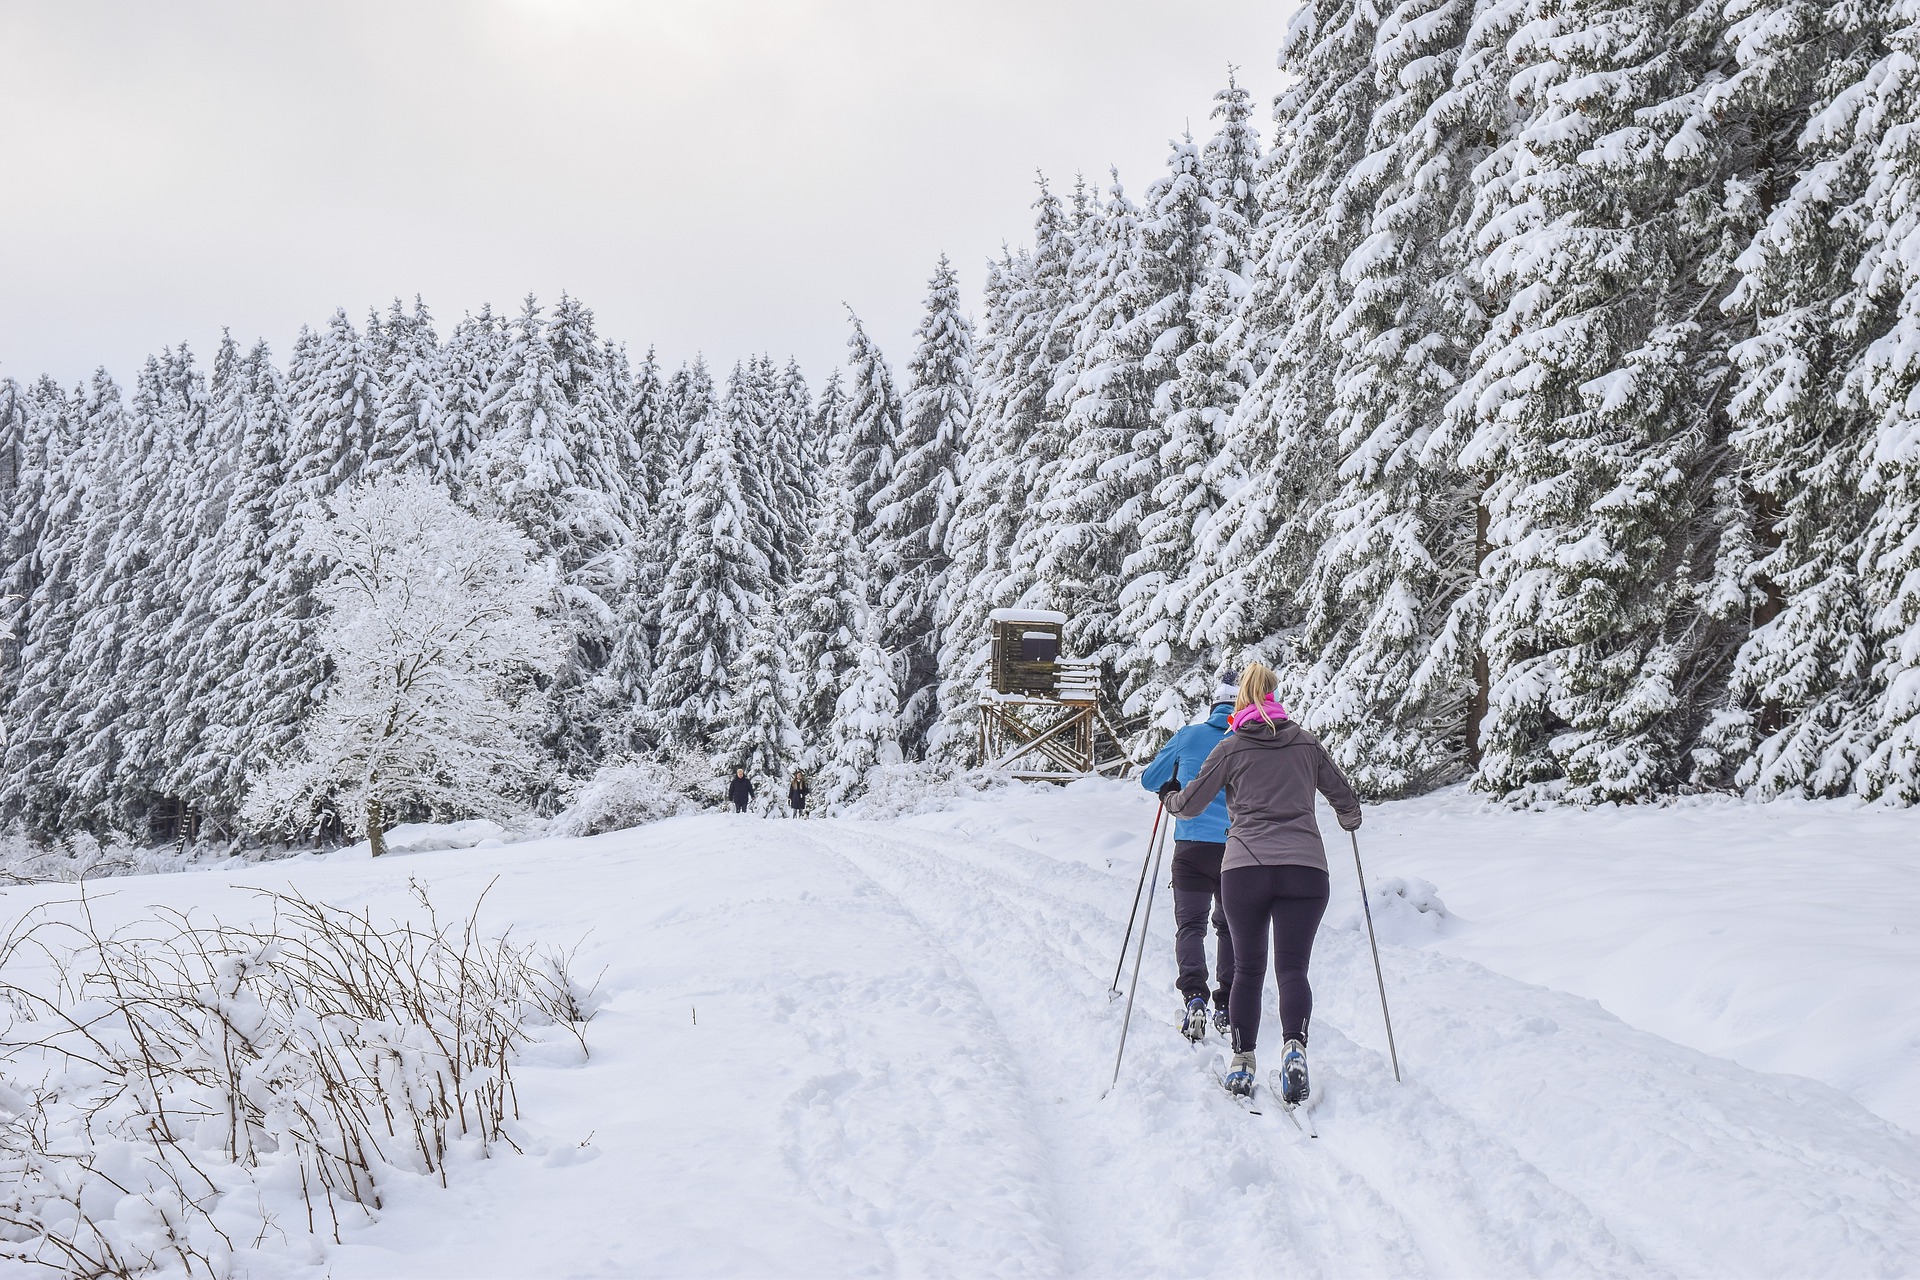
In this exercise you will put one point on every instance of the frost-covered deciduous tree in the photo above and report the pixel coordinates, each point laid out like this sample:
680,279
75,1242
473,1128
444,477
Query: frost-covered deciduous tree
436,622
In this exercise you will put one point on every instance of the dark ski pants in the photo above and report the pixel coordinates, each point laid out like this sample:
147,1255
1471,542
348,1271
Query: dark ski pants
1290,901
1196,891
739,806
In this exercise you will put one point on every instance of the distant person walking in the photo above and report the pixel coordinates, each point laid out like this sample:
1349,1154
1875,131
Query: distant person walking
1199,843
1274,875
740,790
797,793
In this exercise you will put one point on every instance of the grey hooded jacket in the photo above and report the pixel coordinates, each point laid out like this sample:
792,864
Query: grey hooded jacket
1270,773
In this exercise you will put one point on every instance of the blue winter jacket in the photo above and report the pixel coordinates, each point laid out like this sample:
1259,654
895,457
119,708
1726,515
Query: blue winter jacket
1186,751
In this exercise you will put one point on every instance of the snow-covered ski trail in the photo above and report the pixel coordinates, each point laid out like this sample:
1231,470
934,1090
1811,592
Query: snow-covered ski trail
834,1048
1536,1135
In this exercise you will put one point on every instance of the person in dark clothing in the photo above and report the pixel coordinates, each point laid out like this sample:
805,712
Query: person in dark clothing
797,793
740,790
1274,874
1199,844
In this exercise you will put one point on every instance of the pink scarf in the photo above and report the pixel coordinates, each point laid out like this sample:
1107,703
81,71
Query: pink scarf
1268,709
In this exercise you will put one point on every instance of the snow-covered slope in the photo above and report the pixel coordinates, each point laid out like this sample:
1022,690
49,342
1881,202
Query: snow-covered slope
844,1048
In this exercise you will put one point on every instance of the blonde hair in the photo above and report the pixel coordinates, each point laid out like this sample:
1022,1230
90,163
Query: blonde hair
1257,684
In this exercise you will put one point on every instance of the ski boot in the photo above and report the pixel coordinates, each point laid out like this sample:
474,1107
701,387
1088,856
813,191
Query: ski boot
1293,1074
1221,1022
1239,1078
1193,1020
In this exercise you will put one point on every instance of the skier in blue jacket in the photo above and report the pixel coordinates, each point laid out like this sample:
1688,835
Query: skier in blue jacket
1199,843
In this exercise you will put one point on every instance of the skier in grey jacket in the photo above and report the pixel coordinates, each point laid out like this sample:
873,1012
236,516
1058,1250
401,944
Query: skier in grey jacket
1274,874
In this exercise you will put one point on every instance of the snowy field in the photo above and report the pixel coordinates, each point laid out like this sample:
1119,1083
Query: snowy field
1680,1041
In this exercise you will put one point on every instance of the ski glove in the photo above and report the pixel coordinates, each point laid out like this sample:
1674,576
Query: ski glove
1171,787
1346,825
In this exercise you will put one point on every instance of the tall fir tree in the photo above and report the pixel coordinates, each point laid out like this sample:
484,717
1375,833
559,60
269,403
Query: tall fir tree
872,423
715,588
1381,679
913,513
1598,398
1250,556
1800,694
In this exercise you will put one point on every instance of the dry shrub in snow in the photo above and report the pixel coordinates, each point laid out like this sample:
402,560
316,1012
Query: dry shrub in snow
174,1092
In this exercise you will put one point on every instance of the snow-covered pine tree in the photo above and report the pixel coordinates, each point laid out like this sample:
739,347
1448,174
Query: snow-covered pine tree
1800,693
757,731
43,436
91,723
801,419
716,585
1230,169
469,362
872,423
201,488
149,546
1381,679
826,608
1598,397
1885,380
1045,307
1183,297
548,465
748,406
637,615
410,431
433,625
247,702
866,728
1251,556
913,513
829,422
45,538
334,394
1080,520
787,461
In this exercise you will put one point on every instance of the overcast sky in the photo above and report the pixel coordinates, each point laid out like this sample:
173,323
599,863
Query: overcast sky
714,175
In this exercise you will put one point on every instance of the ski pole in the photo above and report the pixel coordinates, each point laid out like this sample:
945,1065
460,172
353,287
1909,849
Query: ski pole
1375,944
1139,951
1114,988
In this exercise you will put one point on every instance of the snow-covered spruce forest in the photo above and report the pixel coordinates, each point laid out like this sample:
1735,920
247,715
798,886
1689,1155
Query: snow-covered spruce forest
1540,393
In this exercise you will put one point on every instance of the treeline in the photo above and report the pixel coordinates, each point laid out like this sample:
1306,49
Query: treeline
164,628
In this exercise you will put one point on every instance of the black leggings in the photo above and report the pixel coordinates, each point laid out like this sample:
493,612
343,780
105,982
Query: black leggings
1291,901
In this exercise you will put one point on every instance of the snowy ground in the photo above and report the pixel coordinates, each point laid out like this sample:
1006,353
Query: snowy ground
844,1048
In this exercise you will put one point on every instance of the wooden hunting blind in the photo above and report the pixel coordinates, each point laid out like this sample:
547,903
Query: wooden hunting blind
1040,717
